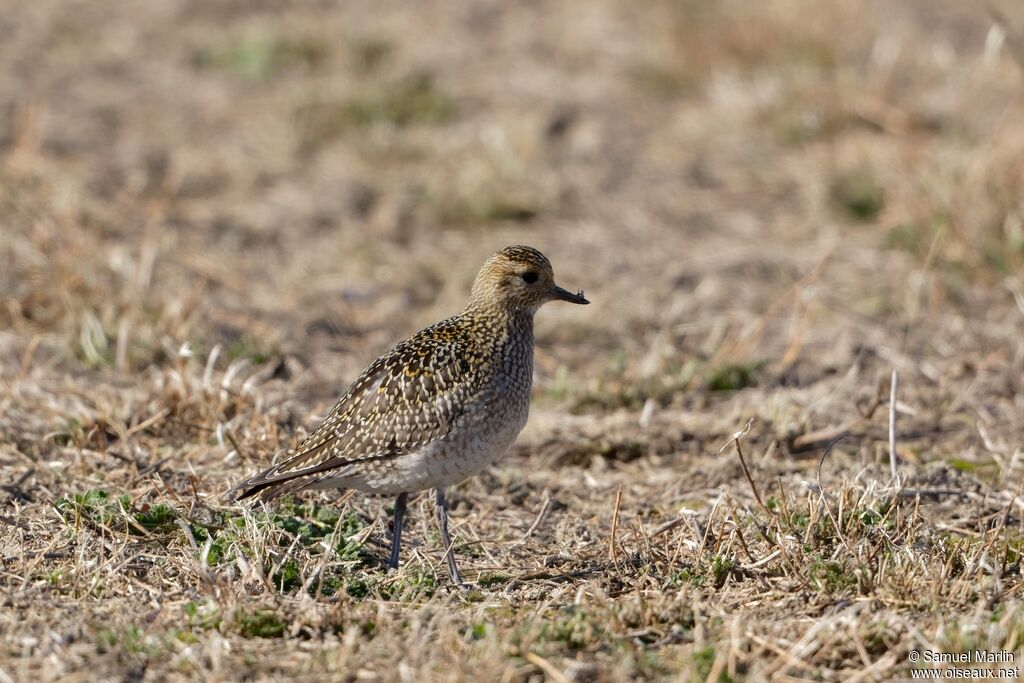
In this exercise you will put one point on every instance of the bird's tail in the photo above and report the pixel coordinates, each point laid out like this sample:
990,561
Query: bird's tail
267,491
279,480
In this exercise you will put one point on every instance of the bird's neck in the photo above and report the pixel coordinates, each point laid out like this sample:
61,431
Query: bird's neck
508,324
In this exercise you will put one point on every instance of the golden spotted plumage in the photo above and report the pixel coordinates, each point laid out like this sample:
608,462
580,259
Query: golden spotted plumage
440,406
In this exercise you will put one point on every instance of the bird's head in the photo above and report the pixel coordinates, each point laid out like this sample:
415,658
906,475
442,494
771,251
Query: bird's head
519,278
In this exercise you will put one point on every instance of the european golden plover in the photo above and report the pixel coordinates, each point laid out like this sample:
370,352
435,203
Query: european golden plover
436,409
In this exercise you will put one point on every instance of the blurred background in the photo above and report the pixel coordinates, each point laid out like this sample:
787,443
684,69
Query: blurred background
213,215
315,178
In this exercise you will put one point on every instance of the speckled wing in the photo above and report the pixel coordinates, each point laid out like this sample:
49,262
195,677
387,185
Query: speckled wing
406,399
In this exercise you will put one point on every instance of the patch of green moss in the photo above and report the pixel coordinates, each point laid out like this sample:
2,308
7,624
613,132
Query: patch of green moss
130,639
704,660
832,576
414,100
488,206
487,580
312,525
573,627
156,518
261,623
721,567
733,377
257,352
859,194
406,585
99,508
687,575
259,57
204,616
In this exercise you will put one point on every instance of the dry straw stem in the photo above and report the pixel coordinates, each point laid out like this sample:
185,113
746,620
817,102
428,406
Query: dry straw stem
892,426
743,463
547,667
612,544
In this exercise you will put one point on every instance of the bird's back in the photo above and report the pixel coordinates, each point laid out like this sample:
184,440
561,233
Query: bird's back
437,405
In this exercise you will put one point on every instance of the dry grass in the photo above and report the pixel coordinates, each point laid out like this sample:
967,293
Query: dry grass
213,215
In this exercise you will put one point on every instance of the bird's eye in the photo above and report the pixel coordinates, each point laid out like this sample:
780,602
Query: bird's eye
529,277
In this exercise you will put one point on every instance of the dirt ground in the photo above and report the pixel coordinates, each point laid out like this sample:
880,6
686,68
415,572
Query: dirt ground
213,215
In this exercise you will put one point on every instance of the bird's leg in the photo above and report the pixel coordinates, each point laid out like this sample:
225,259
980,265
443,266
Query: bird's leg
449,550
396,531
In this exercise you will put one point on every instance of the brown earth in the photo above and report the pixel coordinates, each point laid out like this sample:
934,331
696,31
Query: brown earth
213,215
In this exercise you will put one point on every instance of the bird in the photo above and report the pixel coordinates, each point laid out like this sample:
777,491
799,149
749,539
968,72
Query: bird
438,408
